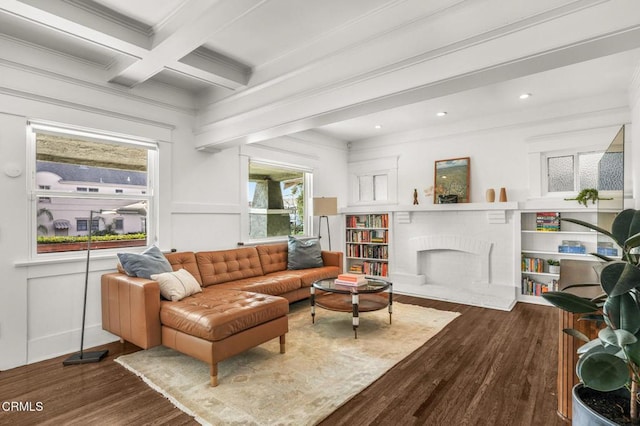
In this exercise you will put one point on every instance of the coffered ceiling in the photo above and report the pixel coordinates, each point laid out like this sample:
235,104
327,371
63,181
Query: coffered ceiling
255,69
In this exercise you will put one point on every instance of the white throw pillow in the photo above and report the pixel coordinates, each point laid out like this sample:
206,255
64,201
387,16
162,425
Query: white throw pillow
177,285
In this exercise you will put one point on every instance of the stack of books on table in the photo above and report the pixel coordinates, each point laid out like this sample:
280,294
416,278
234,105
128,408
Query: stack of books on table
351,279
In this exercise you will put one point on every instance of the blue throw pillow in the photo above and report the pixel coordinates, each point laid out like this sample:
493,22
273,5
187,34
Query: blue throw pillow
149,262
304,253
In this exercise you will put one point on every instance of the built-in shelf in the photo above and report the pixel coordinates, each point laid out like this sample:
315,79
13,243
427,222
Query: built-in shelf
540,246
367,243
546,274
508,205
559,232
555,253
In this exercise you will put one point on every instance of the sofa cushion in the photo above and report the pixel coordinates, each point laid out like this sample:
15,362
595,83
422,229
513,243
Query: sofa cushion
150,261
177,285
185,260
216,313
273,257
275,284
304,253
228,265
309,276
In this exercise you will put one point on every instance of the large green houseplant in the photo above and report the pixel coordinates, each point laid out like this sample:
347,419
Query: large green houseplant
612,360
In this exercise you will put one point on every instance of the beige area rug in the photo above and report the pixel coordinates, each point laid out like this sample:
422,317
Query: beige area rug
323,368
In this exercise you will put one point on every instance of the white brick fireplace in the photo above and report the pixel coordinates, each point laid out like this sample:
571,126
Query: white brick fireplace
462,255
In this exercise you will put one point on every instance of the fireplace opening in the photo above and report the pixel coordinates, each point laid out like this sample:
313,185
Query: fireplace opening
452,260
451,268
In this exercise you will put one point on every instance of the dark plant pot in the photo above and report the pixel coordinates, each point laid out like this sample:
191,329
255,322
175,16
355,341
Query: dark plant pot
448,199
583,415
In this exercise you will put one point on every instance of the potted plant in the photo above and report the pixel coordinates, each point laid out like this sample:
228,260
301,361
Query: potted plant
554,266
586,195
611,361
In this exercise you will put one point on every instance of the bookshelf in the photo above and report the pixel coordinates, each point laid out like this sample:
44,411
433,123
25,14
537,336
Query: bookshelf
367,244
542,240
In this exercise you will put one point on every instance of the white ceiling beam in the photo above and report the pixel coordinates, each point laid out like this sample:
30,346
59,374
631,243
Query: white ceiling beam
324,107
79,23
145,56
189,32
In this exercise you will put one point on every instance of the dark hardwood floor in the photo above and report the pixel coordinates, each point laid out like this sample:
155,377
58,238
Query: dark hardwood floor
487,367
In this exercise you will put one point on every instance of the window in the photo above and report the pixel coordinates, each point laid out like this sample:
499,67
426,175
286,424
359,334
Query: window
567,173
372,187
277,197
77,175
374,181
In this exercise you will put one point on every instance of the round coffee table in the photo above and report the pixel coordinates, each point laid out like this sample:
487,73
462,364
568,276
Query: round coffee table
345,298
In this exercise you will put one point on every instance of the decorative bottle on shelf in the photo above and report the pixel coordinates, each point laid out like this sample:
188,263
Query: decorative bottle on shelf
503,194
491,195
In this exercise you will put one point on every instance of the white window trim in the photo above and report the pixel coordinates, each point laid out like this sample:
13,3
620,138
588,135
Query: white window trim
245,160
566,143
387,166
93,135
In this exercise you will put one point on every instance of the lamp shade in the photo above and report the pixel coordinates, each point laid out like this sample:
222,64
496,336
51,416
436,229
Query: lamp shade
325,206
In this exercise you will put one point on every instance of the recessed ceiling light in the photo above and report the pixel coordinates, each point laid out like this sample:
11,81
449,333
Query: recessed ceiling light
525,95
441,113
378,126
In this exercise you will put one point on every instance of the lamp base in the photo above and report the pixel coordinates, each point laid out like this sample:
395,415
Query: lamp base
85,357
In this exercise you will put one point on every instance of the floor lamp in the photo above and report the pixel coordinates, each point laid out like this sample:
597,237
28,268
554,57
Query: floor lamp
83,357
325,207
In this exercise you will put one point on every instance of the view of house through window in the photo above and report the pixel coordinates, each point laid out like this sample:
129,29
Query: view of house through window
277,200
83,183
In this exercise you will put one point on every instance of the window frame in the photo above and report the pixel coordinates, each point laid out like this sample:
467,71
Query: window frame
576,170
386,167
98,136
308,199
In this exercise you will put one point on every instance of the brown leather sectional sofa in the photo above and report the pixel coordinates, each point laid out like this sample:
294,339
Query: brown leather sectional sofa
244,302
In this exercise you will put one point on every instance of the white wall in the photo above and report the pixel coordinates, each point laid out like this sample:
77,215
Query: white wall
41,311
198,202
210,205
501,155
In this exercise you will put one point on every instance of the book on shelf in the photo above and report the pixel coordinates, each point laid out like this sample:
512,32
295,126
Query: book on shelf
532,264
572,247
607,249
368,221
532,287
370,268
367,251
356,268
548,221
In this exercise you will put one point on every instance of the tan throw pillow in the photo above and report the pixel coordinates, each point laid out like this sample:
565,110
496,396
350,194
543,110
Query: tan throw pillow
177,285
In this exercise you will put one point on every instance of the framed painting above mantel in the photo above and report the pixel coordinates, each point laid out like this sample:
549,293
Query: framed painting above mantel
452,181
